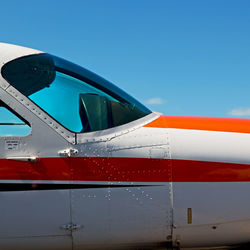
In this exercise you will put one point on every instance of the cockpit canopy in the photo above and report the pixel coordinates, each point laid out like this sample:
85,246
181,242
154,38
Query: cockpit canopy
78,99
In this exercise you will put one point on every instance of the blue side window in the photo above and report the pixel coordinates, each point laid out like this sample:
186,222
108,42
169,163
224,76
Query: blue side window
11,125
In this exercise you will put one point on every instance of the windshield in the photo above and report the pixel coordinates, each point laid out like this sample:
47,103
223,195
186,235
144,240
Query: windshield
77,98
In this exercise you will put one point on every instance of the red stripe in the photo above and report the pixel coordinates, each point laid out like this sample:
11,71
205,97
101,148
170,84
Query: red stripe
124,170
121,169
203,171
43,169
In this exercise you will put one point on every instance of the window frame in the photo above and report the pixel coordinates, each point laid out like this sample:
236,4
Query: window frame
3,104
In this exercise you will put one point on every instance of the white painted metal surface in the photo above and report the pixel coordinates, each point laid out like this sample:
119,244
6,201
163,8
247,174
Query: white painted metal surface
210,146
126,216
217,219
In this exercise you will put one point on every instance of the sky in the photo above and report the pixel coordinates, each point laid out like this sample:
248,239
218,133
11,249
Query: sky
177,57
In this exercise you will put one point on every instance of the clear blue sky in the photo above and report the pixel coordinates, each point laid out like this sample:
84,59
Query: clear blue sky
179,57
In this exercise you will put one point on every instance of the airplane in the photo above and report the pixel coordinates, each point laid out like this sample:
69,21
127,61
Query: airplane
83,165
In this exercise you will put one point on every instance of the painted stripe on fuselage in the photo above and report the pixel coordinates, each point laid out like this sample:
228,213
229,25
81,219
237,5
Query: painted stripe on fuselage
237,125
124,170
6,187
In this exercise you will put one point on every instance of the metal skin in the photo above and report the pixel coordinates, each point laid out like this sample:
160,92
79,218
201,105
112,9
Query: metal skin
157,182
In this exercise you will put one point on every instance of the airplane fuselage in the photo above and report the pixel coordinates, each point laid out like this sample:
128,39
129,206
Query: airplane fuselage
85,166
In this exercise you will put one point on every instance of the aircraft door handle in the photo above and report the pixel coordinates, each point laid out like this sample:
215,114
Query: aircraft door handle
68,152
23,158
71,227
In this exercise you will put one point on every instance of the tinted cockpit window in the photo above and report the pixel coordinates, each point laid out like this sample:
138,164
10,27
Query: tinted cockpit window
77,98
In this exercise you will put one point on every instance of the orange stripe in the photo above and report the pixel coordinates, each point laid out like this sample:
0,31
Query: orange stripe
237,125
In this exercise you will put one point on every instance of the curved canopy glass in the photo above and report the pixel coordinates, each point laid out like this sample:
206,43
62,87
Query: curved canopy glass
78,99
